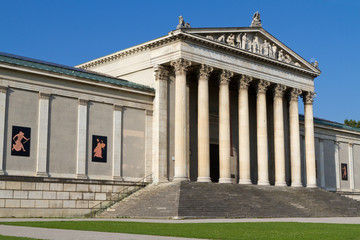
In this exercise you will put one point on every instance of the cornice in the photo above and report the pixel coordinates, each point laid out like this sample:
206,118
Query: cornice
179,34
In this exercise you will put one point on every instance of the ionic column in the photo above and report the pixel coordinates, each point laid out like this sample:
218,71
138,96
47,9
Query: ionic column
262,144
43,128
81,138
309,140
244,131
224,127
203,125
3,99
279,142
295,157
181,67
117,144
159,151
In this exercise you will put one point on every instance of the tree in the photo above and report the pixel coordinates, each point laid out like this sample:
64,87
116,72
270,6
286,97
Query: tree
352,123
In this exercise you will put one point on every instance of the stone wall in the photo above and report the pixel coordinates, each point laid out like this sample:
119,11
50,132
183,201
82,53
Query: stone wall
51,197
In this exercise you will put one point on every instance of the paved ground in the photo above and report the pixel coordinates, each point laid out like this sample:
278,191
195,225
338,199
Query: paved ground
57,234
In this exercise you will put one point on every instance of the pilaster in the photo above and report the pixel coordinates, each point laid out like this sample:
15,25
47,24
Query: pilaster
117,143
43,129
82,138
3,102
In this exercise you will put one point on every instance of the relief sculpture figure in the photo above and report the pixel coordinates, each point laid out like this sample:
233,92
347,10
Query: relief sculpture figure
287,58
281,55
18,145
266,48
221,38
274,49
243,41
231,40
98,149
238,41
255,45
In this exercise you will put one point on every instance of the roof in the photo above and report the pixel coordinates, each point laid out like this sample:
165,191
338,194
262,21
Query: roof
330,123
70,71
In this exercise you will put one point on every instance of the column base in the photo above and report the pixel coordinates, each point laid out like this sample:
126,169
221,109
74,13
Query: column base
225,180
203,179
42,174
311,186
81,176
245,181
180,179
117,178
263,183
296,185
280,184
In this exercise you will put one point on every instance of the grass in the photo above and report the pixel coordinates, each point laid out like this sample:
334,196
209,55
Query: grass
2,237
225,231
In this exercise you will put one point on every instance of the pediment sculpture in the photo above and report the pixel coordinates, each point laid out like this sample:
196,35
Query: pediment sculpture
253,43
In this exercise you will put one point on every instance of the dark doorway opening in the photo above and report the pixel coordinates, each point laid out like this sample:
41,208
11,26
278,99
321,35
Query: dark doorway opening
214,162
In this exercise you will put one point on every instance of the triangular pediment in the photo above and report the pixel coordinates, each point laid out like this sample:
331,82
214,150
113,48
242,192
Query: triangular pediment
255,41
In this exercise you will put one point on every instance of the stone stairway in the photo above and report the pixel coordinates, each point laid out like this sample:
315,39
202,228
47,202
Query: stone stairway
212,200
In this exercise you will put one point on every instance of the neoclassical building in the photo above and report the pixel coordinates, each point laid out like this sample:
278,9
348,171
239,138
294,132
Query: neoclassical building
199,104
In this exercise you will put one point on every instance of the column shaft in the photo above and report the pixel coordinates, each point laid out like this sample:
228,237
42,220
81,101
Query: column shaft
309,140
203,125
279,142
244,131
295,157
43,127
262,140
117,143
224,127
160,154
81,139
181,66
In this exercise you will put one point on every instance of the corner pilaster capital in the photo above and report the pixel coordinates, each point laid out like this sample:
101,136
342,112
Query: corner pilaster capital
161,73
262,86
294,94
279,90
225,76
244,81
181,66
3,89
308,97
83,102
149,112
45,96
205,71
118,107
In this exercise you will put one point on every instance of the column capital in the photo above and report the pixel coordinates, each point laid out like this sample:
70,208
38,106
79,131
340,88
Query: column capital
205,71
3,89
161,73
279,90
118,107
225,76
181,66
262,86
308,97
83,102
294,94
45,96
245,81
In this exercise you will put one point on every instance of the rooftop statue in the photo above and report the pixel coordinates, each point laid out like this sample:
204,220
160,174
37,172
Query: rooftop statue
182,23
256,22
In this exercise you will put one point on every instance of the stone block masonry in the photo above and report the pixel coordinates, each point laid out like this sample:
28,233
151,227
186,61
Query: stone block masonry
53,197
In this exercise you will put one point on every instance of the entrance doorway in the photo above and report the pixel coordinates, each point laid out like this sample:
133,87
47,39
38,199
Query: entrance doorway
214,162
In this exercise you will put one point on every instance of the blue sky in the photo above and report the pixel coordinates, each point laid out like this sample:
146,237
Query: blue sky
73,32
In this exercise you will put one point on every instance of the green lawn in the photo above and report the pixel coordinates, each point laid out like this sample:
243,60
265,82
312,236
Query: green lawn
236,231
15,238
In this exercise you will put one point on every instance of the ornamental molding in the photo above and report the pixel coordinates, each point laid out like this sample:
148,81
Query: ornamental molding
205,71
294,94
262,86
279,90
244,82
225,76
45,96
3,89
118,107
83,102
308,97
